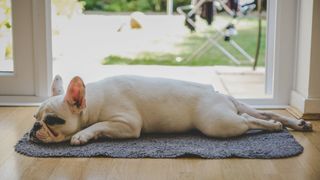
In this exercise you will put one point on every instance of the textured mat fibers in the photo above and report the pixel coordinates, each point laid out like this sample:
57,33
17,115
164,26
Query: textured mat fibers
255,144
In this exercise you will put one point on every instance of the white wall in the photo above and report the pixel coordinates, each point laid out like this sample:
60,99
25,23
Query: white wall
314,92
306,92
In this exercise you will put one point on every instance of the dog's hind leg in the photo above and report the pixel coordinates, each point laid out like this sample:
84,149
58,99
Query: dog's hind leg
296,124
261,124
232,124
293,123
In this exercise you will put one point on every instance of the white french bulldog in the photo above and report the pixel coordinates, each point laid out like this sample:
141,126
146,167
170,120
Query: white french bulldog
126,106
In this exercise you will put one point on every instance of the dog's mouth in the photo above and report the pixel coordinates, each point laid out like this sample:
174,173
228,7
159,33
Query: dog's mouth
33,137
52,132
42,135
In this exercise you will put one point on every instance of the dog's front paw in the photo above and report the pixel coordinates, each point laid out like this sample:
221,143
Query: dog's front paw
80,138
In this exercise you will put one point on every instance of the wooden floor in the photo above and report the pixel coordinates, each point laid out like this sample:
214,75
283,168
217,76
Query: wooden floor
14,122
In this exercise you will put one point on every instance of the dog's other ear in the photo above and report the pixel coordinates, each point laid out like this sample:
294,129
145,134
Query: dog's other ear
57,86
75,96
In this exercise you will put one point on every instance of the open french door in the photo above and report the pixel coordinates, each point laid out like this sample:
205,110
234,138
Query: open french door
282,23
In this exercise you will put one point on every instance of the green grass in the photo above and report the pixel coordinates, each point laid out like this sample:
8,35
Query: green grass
246,38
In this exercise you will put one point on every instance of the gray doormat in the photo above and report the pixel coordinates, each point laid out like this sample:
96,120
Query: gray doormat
255,144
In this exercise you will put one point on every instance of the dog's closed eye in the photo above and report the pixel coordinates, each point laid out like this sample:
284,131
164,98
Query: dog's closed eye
53,120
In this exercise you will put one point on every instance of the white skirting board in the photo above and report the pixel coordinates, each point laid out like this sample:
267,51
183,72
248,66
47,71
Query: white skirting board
306,108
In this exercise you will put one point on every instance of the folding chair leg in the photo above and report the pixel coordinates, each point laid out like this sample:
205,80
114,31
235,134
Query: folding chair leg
202,48
224,51
243,52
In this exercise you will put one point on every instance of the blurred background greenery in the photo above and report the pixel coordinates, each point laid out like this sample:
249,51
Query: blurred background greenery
246,38
131,5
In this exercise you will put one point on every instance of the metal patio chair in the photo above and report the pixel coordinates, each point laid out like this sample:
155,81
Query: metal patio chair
235,10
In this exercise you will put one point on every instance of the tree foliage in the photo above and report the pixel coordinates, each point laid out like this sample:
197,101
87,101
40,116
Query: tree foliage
67,7
5,14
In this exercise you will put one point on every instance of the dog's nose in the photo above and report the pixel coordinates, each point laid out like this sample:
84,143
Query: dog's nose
32,134
36,126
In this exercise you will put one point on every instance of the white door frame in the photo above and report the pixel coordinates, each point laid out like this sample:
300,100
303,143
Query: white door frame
282,27
281,46
29,83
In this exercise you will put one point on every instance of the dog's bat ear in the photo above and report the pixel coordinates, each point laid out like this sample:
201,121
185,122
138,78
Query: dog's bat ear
57,86
75,96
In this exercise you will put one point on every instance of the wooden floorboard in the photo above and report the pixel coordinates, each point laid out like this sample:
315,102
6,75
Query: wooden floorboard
15,121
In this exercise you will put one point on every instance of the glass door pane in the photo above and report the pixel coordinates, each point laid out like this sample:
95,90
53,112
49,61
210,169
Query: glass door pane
6,55
17,33
108,41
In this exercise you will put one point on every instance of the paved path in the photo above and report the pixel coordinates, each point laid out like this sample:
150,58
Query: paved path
241,82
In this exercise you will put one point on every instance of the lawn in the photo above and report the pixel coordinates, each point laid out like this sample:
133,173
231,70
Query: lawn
246,38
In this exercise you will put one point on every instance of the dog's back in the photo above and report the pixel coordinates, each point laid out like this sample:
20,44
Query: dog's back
158,101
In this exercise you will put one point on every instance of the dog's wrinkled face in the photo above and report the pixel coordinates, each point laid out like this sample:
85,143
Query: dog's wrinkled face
58,118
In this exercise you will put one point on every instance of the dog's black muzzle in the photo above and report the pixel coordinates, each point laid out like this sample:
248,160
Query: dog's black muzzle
32,133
